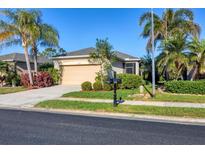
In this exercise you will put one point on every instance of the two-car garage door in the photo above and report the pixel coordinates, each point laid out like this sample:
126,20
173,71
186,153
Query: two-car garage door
76,74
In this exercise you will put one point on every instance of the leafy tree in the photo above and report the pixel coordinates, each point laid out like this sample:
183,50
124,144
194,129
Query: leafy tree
197,57
3,71
8,74
53,52
17,30
103,55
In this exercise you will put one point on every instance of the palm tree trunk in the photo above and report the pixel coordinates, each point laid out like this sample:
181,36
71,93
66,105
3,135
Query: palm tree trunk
35,60
194,73
198,72
35,63
35,57
28,64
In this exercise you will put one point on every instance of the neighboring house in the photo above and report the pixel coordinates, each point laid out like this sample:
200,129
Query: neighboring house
76,67
19,61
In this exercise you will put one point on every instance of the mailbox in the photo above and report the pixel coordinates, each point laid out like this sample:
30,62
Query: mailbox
117,81
114,80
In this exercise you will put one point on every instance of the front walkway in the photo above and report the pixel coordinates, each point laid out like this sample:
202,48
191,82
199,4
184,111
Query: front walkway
148,103
31,97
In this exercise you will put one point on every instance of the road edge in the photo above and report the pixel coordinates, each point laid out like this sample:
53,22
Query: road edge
124,116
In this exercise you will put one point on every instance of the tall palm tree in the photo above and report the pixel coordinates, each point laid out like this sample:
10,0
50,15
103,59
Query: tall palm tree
168,24
103,55
18,30
197,57
43,35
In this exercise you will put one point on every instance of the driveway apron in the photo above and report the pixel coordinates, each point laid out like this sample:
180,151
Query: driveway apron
31,97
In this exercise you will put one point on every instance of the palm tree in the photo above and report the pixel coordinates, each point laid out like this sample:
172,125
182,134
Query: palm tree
17,31
146,67
197,57
167,25
173,61
42,35
103,55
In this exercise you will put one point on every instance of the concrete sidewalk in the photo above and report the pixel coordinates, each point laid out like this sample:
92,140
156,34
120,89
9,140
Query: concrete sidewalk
148,103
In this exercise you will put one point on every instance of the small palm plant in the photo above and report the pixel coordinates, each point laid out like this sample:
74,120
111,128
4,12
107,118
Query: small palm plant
197,57
173,61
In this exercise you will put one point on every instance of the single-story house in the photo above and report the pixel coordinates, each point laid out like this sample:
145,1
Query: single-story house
76,68
19,62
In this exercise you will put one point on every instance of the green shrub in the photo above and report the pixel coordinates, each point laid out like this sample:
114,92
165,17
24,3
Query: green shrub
45,66
130,81
107,87
55,74
86,86
186,87
97,86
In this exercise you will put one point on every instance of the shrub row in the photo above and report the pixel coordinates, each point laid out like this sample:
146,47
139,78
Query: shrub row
97,86
40,80
186,87
129,81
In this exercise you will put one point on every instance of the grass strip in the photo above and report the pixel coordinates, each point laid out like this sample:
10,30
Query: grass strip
7,90
166,97
105,107
103,94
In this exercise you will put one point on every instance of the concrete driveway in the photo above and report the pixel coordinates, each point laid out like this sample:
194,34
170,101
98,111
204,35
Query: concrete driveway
32,97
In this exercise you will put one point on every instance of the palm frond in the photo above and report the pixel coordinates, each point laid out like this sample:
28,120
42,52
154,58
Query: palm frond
184,14
10,42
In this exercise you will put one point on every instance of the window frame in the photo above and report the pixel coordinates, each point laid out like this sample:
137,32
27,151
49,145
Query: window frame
132,67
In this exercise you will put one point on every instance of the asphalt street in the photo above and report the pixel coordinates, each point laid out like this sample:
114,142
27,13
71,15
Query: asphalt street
28,127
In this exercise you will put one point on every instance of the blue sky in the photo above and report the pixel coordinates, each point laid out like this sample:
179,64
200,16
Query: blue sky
79,28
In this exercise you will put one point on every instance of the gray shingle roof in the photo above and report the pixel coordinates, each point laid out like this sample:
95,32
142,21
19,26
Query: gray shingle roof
19,57
87,51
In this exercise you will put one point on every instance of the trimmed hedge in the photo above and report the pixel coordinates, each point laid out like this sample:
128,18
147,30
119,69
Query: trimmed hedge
130,81
97,86
107,87
186,87
86,86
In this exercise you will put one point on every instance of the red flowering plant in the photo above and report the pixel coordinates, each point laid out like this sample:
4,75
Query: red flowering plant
40,80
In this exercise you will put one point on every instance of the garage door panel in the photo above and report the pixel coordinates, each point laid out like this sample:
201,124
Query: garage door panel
75,75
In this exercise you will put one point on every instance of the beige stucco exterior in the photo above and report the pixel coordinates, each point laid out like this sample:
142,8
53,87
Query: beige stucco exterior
77,74
78,69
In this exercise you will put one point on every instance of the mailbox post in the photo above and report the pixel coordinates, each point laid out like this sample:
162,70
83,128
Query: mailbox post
115,90
114,80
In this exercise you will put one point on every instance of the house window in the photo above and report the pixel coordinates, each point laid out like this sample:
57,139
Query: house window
130,68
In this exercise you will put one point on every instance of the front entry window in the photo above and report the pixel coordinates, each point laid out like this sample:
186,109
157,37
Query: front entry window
130,68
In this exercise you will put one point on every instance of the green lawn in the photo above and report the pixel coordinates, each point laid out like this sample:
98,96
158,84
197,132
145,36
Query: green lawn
167,97
105,107
6,90
102,94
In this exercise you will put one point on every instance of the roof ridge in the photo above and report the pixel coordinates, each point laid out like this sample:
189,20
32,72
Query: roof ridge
82,49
